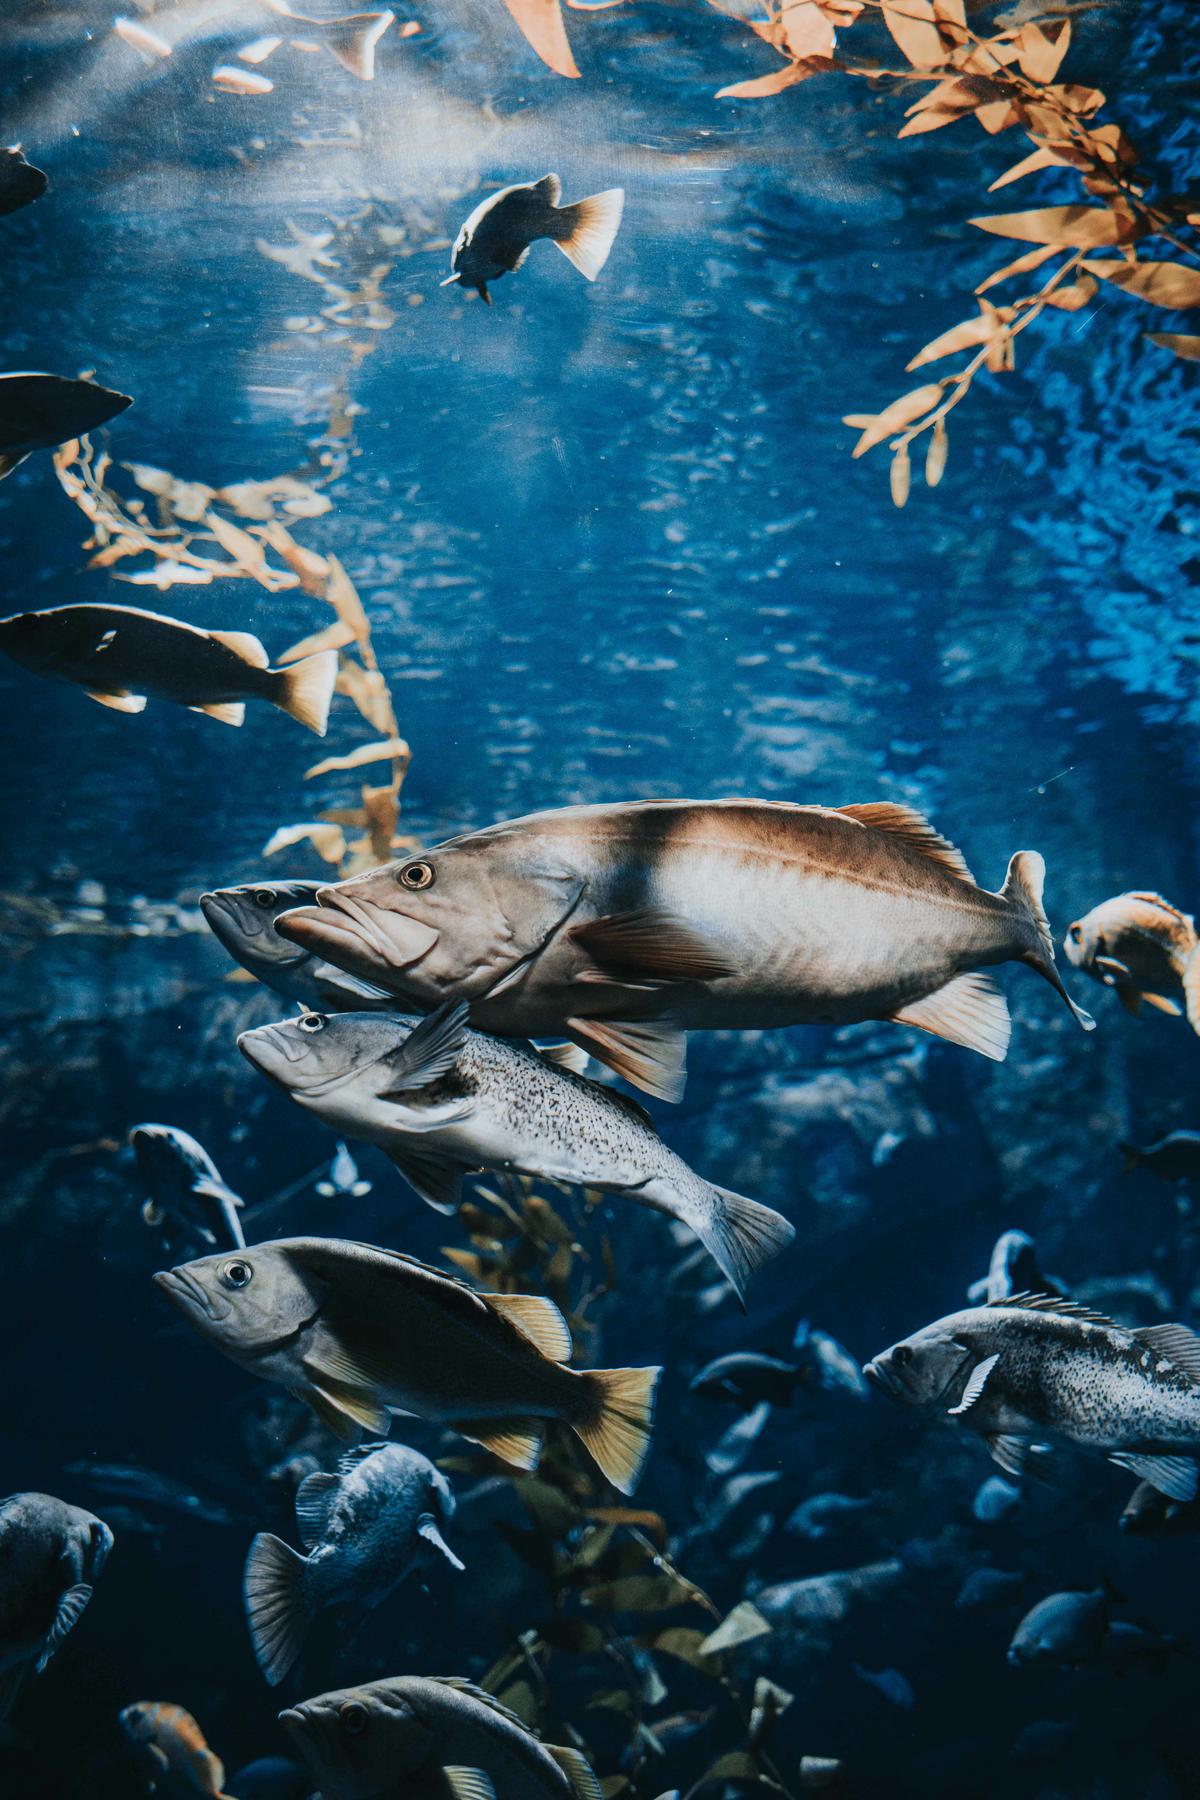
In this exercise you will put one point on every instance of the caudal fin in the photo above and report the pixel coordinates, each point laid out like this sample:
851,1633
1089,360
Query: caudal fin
1023,890
306,688
585,231
742,1235
617,1434
276,1609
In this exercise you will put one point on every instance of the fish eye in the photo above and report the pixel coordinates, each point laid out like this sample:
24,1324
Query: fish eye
237,1274
901,1355
1075,933
416,875
264,896
354,1717
311,1022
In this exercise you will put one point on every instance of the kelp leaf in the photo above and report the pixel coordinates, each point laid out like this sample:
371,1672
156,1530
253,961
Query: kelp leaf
743,1623
1081,227
895,417
387,750
1178,342
1169,284
914,28
327,840
541,23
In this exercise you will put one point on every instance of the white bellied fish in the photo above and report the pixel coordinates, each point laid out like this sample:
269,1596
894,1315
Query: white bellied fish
1142,947
498,235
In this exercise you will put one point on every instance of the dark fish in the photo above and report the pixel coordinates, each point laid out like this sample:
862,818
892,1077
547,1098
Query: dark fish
364,1528
894,1687
1065,1629
1012,1270
39,412
622,926
748,1378
121,654
989,1587
243,919
271,1778
361,1333
496,238
146,1488
826,1364
20,182
175,1748
1141,946
188,1200
995,1500
51,1556
1175,1157
1151,1514
827,1515
1132,1650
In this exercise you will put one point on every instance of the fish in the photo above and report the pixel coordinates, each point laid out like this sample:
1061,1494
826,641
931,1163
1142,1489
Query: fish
826,1364
187,1197
827,1515
833,1597
243,921
1013,1270
995,1500
430,1734
622,926
1036,1367
894,1687
749,1378
364,1527
441,1100
989,1587
39,412
1064,1630
343,1177
52,1554
1131,1649
146,1488
20,182
1175,1157
351,38
1151,1514
121,655
359,1333
1143,948
271,1778
175,1747
496,238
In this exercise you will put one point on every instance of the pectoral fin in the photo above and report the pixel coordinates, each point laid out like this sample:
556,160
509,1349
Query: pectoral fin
70,1610
1114,967
344,1411
650,946
1160,1003
514,1441
245,646
314,1499
429,1051
974,1387
230,712
578,1771
1013,1452
651,1053
468,1784
1179,1345
122,702
564,1056
427,1529
438,1183
1175,1476
970,1010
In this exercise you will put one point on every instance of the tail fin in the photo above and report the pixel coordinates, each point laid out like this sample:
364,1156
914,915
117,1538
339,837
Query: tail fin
1023,891
306,688
618,1433
1191,989
276,1608
588,229
742,1235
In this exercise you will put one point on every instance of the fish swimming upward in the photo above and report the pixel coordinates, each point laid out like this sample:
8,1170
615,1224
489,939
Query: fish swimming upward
623,926
243,920
361,1333
39,412
497,237
188,1200
441,1100
1144,948
121,654
51,1556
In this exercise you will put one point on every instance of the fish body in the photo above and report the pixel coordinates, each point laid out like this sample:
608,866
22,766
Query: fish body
1033,1367
440,1099
20,182
1013,1269
498,235
995,1500
1141,946
51,1556
343,1177
122,654
827,1515
1175,1157
416,1734
175,1747
361,1333
187,1198
624,925
243,920
1151,1514
832,1598
1065,1629
364,1528
39,412
749,1378
989,1587
824,1363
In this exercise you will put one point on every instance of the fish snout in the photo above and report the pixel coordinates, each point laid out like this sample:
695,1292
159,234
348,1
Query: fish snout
268,1047
880,1376
387,935
188,1295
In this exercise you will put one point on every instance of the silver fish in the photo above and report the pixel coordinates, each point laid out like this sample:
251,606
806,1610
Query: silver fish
360,1333
365,1528
121,654
243,919
1065,1629
39,412
1034,1367
51,1556
188,1199
625,925
1142,947
20,182
498,235
440,1100
749,1378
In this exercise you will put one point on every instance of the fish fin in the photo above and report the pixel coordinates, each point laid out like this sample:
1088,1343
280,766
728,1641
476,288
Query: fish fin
276,1609
9,462
1191,989
226,712
427,1529
343,1408
352,41
11,1680
1179,1345
650,946
429,1051
350,984
1112,965
481,288
1161,1004
245,645
550,189
1153,899
742,1235
305,689
651,1053
70,1610
517,1444
1023,891
468,1784
1057,1303
126,703
578,1771
1131,998
461,1685
970,1010
438,1183
314,1499
450,280
975,1386
564,1056
914,829
589,228
1175,1476
1012,1451
1130,1154
152,1213
617,1436
537,1319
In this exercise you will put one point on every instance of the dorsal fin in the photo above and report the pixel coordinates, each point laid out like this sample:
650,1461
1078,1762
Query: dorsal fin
906,823
1054,1303
537,1319
314,1502
1152,899
1180,1346
462,1686
245,645
578,1771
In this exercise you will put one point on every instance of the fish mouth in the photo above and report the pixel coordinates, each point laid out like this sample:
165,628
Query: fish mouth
186,1293
339,923
235,929
266,1044
882,1377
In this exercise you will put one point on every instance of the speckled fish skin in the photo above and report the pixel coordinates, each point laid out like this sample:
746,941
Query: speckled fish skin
243,920
1140,945
51,1556
188,1197
176,1748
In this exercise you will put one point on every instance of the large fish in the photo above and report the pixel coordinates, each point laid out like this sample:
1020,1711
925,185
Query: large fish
497,237
441,1100
626,925
1142,947
39,412
51,1556
243,919
188,1199
121,654
361,1333
1036,1367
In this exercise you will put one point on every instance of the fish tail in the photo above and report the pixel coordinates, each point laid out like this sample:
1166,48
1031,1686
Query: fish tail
1023,891
306,689
740,1234
1132,1156
585,232
617,1431
276,1604
1191,988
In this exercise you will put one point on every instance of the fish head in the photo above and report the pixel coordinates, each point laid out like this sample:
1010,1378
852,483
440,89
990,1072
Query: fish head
926,1369
170,1162
243,920
244,1301
319,1054
33,639
1085,939
359,1741
139,1720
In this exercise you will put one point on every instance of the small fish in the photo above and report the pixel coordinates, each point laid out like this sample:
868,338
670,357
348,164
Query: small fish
1012,1270
995,1500
823,1516
430,1735
989,1587
826,1364
188,1199
1175,1157
243,919
832,1598
749,1378
1065,1630
351,39
20,183
1151,1514
1133,1650
39,412
895,1688
1141,946
441,1100
623,926
496,238
121,654
51,1556
343,1178
175,1748
360,1333
1035,1367
364,1528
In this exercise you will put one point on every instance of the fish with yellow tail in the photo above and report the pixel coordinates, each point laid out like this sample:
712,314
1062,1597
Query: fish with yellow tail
361,1333
174,1748
1143,948
497,237
622,926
